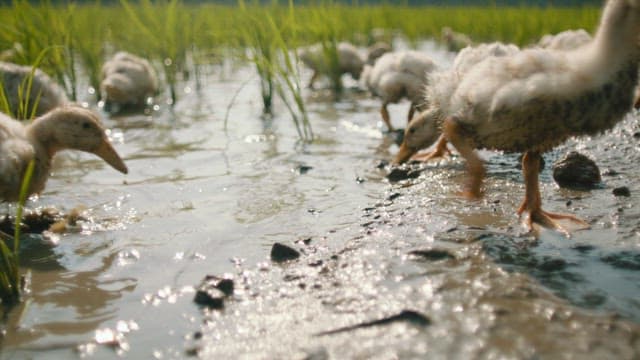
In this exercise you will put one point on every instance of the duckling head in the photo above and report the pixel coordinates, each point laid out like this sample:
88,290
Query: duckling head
422,132
77,128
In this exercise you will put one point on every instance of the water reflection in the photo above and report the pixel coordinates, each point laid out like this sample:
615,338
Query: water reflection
63,302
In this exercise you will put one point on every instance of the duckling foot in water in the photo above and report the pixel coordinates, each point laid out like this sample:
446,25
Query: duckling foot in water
440,151
533,204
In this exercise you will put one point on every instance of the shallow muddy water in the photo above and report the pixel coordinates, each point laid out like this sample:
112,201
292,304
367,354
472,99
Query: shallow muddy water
463,277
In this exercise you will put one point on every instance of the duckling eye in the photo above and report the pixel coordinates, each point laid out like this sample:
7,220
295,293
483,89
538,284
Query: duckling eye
412,130
86,125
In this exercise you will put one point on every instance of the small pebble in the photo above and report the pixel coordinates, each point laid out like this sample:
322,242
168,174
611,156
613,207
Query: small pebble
398,174
281,253
621,191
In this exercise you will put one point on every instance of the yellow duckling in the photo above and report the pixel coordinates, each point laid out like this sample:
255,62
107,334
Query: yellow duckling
67,127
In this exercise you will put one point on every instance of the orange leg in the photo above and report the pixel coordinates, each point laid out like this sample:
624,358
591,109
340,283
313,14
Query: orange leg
532,202
385,116
440,151
475,168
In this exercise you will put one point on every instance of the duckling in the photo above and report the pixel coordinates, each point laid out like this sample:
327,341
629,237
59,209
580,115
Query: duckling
425,128
67,127
45,94
398,75
127,80
455,41
536,99
350,60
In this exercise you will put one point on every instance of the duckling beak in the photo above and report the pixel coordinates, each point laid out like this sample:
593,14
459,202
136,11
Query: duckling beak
404,154
109,154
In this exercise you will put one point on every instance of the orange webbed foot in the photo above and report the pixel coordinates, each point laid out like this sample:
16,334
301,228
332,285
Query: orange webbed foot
564,223
431,155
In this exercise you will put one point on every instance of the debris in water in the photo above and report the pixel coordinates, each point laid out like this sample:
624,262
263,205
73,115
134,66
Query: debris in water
213,290
410,316
211,297
622,191
402,173
432,254
382,164
303,169
281,253
394,196
576,171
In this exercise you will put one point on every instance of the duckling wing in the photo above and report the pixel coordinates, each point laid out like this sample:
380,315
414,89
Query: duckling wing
500,84
15,154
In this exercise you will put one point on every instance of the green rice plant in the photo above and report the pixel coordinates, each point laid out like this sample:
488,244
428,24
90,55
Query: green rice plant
257,37
89,35
289,86
10,284
165,34
36,28
10,280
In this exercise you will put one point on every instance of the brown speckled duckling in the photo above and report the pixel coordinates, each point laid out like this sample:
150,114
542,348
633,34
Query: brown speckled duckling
68,127
536,99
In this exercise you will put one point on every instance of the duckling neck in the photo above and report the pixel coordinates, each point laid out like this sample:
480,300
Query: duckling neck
42,135
617,35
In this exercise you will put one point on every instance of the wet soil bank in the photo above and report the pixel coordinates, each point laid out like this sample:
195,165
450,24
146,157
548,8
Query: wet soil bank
397,290
428,275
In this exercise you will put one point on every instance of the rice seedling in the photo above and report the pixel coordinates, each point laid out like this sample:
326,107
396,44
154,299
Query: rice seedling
10,280
179,38
257,37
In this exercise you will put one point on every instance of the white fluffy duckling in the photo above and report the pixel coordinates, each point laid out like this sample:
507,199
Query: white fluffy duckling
425,128
565,40
45,93
350,60
127,80
399,75
455,41
537,98
67,127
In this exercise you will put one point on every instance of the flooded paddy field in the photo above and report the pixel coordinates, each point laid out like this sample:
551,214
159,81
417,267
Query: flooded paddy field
386,270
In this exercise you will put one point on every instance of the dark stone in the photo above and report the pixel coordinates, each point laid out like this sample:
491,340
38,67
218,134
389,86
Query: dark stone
281,253
432,254
224,284
576,171
210,297
621,191
583,248
398,174
382,164
303,169
394,196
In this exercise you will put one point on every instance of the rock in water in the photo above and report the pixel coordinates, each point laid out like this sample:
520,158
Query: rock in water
576,171
281,253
